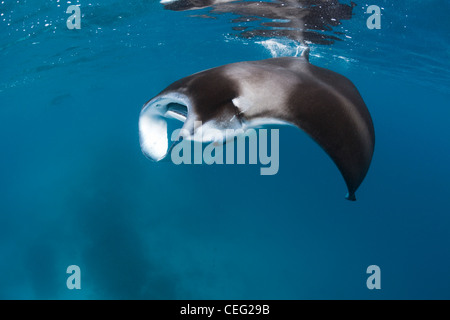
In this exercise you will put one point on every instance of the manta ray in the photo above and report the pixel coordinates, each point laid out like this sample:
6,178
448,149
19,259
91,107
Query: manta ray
288,90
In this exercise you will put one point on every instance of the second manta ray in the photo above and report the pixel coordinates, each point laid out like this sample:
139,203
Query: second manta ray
288,90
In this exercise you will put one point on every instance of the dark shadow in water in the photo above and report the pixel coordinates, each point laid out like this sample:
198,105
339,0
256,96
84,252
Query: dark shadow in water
119,263
304,21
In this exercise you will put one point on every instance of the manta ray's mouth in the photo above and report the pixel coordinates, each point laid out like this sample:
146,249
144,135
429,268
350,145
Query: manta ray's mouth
177,111
158,124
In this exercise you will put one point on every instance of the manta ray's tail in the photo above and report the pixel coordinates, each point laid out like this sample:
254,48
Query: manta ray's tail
305,53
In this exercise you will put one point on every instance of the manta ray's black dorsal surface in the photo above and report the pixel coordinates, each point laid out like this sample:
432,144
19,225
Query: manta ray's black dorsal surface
289,90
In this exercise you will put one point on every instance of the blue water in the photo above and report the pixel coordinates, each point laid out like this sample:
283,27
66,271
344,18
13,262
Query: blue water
75,188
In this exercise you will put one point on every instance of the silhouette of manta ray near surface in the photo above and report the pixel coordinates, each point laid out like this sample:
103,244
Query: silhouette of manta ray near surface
304,21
